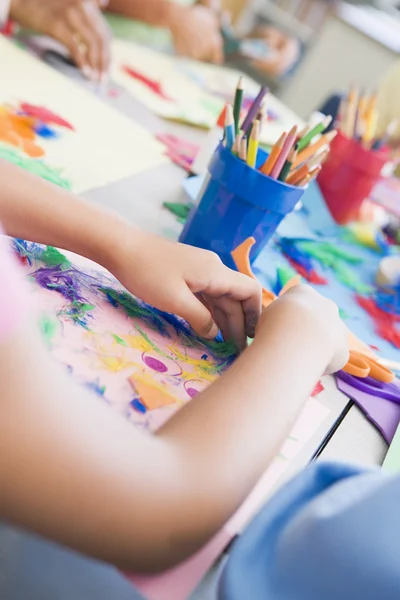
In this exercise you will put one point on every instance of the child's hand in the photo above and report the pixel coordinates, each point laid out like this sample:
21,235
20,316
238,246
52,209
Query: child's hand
196,33
321,317
189,282
77,24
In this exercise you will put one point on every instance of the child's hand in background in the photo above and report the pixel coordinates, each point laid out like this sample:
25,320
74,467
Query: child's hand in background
196,33
189,282
321,317
77,24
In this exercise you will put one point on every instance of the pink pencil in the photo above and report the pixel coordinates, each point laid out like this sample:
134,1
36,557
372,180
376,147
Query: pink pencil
287,146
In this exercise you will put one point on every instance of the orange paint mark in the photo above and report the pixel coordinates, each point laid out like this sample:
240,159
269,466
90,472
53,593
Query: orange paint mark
152,396
31,149
18,131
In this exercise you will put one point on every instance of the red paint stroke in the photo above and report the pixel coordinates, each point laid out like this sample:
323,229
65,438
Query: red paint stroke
153,85
45,115
373,347
317,390
310,275
385,323
113,93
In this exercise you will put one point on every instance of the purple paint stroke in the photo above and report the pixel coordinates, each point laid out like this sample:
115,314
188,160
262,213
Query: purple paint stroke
155,364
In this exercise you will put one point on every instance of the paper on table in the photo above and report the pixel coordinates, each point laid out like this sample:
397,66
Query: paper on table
197,91
105,146
178,583
392,459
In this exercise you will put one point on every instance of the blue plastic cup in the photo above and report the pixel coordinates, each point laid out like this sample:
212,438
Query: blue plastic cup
238,202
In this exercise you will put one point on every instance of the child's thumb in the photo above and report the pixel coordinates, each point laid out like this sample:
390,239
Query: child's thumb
198,316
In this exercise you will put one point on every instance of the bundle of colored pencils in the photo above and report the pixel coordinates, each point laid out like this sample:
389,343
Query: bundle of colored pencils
296,158
358,119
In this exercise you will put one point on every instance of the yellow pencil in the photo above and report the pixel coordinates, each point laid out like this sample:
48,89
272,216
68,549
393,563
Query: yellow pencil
253,144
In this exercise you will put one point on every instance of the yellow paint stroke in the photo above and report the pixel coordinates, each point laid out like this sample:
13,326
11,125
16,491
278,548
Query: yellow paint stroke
114,363
204,368
151,394
137,342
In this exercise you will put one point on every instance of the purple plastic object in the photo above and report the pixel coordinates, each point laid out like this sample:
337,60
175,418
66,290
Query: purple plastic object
387,391
383,414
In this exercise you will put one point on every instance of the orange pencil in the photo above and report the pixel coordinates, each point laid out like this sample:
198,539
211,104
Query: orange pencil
297,175
310,151
269,164
351,112
304,181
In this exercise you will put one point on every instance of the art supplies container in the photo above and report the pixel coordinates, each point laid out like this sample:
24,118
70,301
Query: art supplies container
348,177
238,202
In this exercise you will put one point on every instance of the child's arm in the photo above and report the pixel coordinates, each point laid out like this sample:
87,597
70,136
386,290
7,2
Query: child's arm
180,279
74,471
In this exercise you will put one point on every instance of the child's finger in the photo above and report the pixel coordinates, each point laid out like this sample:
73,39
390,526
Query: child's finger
231,320
195,313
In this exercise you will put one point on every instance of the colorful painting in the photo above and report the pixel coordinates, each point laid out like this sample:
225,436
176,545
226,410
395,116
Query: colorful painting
145,364
54,128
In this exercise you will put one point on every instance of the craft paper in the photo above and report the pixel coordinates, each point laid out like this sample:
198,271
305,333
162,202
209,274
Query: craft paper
392,459
189,91
385,415
136,358
104,146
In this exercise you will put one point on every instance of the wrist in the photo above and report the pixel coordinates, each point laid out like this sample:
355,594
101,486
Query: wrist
292,328
171,13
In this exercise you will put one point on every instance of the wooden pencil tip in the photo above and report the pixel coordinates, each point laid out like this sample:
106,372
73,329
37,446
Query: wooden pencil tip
240,85
228,114
327,121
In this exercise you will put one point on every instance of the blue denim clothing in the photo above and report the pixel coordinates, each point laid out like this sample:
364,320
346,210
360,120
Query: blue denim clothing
332,533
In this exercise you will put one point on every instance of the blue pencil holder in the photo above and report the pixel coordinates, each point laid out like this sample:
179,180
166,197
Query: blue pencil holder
238,202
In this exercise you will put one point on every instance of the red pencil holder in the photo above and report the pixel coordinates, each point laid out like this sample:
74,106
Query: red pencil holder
348,176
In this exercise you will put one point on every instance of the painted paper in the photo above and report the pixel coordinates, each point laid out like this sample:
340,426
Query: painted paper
98,146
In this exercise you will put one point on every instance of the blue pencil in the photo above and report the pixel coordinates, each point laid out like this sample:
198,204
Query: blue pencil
229,127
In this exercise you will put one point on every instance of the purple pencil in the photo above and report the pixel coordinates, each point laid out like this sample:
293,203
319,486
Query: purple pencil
287,146
246,125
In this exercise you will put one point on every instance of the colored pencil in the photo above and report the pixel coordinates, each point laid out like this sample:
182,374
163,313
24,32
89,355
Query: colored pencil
262,114
236,145
252,112
308,152
274,154
303,132
315,172
287,146
288,165
253,144
351,112
304,181
319,128
229,127
389,133
317,159
297,175
243,149
237,104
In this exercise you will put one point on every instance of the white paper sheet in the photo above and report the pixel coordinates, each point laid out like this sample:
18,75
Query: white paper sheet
106,146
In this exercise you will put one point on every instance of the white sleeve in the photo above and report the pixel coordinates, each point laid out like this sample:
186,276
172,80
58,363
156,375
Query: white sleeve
4,10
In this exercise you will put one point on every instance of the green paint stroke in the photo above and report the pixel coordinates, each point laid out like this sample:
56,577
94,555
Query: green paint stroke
33,165
48,327
52,257
181,211
119,340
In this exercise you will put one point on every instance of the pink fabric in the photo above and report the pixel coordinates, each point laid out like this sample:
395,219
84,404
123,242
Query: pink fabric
14,301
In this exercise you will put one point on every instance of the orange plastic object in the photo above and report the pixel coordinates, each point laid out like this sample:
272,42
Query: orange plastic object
363,366
151,396
362,361
242,261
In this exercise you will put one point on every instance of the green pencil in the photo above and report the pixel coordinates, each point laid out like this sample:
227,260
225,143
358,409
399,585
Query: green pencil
237,104
319,128
288,165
